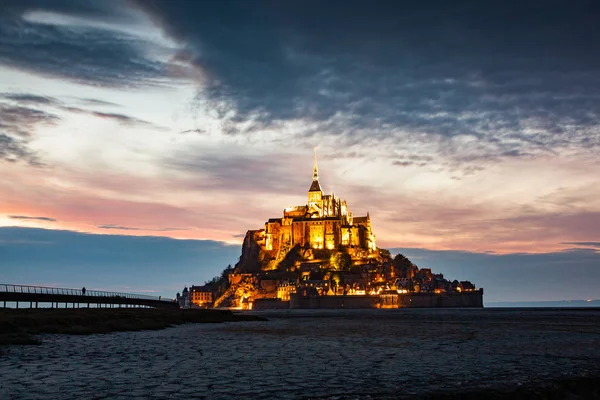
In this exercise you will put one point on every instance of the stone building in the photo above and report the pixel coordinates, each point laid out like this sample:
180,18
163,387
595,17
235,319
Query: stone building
184,298
201,296
324,222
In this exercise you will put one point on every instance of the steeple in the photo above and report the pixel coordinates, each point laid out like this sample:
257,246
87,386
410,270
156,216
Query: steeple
315,187
315,169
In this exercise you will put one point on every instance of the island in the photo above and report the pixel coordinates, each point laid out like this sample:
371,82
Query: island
320,255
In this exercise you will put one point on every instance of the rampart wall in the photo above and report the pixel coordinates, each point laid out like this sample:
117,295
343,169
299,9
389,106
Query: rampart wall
411,300
270,304
297,301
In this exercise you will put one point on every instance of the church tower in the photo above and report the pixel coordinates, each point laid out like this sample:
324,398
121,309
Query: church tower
315,194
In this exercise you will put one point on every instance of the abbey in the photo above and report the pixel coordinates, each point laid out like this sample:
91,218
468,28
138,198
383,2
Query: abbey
325,222
318,255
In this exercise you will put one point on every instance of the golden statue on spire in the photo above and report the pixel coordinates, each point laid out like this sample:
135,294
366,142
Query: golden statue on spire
315,169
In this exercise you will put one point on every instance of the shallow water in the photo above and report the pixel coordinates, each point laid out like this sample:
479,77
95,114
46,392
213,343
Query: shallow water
313,353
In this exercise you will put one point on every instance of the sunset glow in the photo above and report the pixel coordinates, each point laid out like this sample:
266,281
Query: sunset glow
133,118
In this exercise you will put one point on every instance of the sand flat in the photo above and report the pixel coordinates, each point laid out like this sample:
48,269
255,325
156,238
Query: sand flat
331,354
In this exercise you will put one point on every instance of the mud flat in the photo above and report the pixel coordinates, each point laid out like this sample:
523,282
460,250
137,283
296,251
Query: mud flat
19,326
323,354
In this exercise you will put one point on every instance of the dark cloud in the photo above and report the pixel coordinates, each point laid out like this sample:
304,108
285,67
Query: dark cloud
22,113
25,116
119,227
30,98
83,54
26,217
193,131
120,118
16,125
586,244
19,120
515,79
96,102
13,150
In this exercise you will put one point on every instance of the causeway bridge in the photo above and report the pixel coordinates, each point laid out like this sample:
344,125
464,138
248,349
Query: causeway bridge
32,296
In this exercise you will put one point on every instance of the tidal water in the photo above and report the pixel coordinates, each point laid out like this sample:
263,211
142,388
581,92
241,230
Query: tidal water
331,354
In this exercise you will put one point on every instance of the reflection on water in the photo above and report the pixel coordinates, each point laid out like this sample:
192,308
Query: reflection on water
305,354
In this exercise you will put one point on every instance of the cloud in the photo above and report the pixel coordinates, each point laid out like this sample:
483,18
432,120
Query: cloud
239,170
25,217
129,228
22,111
448,79
12,150
586,244
29,98
119,227
96,102
19,120
194,131
120,118
80,42
16,126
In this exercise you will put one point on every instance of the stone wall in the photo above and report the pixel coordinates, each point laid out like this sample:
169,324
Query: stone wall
431,300
270,304
297,301
412,300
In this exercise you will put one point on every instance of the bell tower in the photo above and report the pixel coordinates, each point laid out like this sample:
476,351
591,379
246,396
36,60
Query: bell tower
315,194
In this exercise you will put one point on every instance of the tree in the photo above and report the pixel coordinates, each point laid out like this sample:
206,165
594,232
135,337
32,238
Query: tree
385,253
340,261
404,266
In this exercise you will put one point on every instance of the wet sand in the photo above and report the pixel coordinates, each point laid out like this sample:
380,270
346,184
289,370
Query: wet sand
328,354
18,326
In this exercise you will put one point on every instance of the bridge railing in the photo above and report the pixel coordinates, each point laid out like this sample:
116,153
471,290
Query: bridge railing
8,288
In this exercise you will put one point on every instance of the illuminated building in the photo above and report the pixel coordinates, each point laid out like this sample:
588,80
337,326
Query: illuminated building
201,296
321,250
325,222
284,290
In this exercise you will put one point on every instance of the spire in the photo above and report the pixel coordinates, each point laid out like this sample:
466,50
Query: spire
315,187
315,169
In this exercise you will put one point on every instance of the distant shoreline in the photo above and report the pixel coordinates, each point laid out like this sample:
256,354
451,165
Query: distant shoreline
545,304
585,387
19,326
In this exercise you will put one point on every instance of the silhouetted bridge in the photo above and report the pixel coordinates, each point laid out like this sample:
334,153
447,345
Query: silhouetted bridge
72,298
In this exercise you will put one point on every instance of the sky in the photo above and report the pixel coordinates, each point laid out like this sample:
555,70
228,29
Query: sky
468,130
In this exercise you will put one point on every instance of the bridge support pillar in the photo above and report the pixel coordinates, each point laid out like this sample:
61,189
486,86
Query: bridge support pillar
88,305
17,304
4,303
36,304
